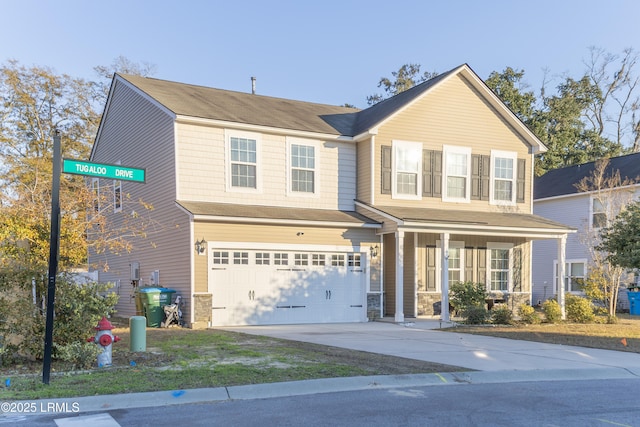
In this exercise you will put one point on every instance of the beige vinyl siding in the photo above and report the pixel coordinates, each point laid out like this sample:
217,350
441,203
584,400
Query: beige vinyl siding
202,168
455,114
139,134
364,171
284,235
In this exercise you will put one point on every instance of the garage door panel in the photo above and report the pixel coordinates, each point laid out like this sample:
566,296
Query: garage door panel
278,287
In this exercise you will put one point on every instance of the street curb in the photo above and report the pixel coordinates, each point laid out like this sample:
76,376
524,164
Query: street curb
315,386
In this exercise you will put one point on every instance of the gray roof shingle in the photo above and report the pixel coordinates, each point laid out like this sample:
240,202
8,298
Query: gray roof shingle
239,107
560,182
507,220
246,108
275,212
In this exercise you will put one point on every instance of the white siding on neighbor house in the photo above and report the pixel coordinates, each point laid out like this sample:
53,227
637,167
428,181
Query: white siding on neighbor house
201,171
137,133
572,211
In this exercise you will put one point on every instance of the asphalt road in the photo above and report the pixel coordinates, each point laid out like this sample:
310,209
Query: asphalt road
579,403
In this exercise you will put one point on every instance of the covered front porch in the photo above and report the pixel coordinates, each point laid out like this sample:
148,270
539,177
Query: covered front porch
424,251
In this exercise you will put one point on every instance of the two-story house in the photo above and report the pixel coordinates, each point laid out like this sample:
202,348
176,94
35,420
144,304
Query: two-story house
587,207
282,211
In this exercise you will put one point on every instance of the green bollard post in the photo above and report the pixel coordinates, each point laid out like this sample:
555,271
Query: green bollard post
138,333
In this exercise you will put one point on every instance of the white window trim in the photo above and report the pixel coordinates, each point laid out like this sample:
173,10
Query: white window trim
499,245
316,170
398,144
567,271
228,134
592,198
503,155
446,149
452,244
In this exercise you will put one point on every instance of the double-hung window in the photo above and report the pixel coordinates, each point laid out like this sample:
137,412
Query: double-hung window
598,213
574,275
407,166
503,177
303,167
457,169
243,153
499,263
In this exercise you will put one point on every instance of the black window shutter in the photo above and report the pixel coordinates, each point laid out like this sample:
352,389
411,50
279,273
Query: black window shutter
475,177
385,170
427,173
431,173
431,268
485,177
517,269
480,177
436,163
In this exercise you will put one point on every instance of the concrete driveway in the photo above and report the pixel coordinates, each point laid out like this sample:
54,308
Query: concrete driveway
422,341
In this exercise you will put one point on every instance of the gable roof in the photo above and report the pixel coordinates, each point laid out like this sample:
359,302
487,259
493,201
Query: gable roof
561,182
246,108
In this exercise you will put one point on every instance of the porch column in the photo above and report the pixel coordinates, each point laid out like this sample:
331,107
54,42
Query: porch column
399,276
444,268
562,245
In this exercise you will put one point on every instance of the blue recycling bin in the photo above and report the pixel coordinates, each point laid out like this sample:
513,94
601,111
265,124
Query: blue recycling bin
634,301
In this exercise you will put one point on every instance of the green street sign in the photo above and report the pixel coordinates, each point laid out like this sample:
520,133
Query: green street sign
102,170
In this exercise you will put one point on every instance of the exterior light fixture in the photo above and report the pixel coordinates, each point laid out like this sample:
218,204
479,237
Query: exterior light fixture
200,246
373,251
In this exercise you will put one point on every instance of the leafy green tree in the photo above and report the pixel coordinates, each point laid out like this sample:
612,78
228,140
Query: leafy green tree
511,89
621,240
564,130
36,102
405,78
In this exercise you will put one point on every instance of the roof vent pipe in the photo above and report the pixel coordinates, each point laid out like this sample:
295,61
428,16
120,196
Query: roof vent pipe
253,85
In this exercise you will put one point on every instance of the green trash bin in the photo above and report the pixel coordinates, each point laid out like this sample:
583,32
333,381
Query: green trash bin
153,299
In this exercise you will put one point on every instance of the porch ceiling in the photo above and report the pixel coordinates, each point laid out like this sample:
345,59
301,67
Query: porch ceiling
471,222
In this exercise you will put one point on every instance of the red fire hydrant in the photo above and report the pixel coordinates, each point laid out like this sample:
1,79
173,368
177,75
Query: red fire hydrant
104,338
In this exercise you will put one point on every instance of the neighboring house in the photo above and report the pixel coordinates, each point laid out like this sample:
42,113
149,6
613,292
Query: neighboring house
557,196
282,211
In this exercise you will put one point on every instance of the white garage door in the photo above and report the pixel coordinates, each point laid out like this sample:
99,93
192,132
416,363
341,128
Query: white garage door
251,287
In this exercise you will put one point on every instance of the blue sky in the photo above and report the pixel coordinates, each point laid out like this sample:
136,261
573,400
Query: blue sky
331,51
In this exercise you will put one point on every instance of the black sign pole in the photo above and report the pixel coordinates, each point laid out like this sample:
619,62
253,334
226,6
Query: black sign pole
53,255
